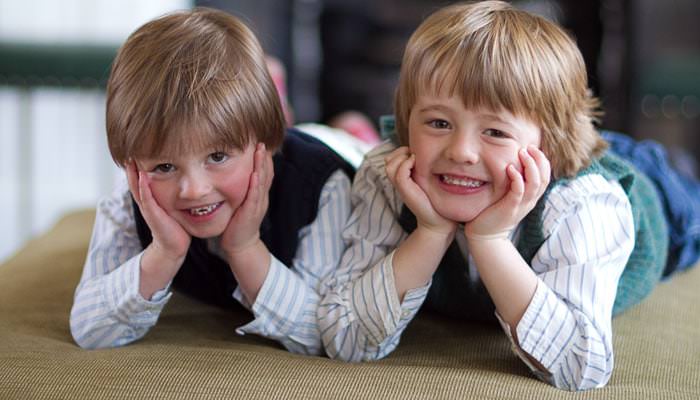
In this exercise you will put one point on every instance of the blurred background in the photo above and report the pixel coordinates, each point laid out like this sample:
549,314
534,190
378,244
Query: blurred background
643,58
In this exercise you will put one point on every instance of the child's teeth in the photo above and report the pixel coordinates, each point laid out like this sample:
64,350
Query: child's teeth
461,182
202,210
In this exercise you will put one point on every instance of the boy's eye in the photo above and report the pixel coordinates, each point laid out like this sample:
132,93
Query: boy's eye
164,168
495,133
218,157
439,124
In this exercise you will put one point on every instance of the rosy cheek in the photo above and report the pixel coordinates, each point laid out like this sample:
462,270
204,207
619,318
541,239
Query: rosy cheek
236,188
161,192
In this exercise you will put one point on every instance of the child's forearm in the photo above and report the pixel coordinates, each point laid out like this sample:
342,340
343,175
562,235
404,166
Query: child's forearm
157,269
508,278
417,258
250,266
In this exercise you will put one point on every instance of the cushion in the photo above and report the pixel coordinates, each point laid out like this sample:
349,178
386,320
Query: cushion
194,353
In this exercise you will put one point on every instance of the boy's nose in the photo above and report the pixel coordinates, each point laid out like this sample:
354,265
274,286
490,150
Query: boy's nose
194,186
463,148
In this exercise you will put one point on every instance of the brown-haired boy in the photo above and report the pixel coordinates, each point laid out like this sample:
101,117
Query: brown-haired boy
219,201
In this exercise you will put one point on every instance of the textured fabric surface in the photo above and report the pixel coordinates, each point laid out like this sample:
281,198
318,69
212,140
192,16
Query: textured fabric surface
193,352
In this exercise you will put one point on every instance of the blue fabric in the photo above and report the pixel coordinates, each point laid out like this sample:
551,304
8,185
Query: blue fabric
679,195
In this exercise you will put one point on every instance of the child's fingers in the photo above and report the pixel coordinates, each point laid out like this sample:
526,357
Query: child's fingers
147,202
145,193
542,163
512,199
403,172
133,180
391,169
531,173
255,202
394,161
269,170
261,182
149,206
253,197
262,186
517,184
258,160
404,182
263,165
398,154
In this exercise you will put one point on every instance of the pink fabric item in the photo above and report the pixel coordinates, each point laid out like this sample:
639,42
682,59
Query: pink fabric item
356,124
279,78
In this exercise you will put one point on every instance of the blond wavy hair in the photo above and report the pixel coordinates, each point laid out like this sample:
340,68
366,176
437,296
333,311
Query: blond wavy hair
495,56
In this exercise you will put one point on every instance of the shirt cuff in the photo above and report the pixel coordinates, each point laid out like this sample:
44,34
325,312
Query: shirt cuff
122,293
281,303
376,302
535,334
543,375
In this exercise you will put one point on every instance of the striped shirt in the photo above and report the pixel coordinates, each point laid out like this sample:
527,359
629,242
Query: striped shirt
589,231
108,310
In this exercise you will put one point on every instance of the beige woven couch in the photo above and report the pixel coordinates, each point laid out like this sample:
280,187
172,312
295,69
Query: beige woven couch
193,353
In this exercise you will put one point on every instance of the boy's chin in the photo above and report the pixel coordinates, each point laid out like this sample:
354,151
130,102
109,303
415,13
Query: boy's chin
459,216
206,234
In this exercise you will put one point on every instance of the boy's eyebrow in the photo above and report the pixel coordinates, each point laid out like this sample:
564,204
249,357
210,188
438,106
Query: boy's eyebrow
497,118
494,117
434,107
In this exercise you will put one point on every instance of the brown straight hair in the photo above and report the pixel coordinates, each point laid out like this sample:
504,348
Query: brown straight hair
187,81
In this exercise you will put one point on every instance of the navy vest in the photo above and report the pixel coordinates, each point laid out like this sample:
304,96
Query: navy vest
302,166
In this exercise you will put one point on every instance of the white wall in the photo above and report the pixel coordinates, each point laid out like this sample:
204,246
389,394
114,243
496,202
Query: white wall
59,161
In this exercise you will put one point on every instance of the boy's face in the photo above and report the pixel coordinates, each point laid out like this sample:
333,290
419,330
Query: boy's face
462,154
202,190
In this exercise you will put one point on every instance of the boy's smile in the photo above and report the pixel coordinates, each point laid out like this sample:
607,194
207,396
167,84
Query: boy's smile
203,190
462,154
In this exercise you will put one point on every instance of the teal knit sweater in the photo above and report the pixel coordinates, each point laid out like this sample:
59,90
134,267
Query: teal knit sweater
646,263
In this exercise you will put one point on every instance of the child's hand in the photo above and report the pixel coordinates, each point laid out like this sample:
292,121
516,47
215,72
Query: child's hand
499,219
399,164
169,237
244,228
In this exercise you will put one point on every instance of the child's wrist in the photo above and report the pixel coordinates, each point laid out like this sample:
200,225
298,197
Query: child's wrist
164,256
245,249
436,234
485,237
